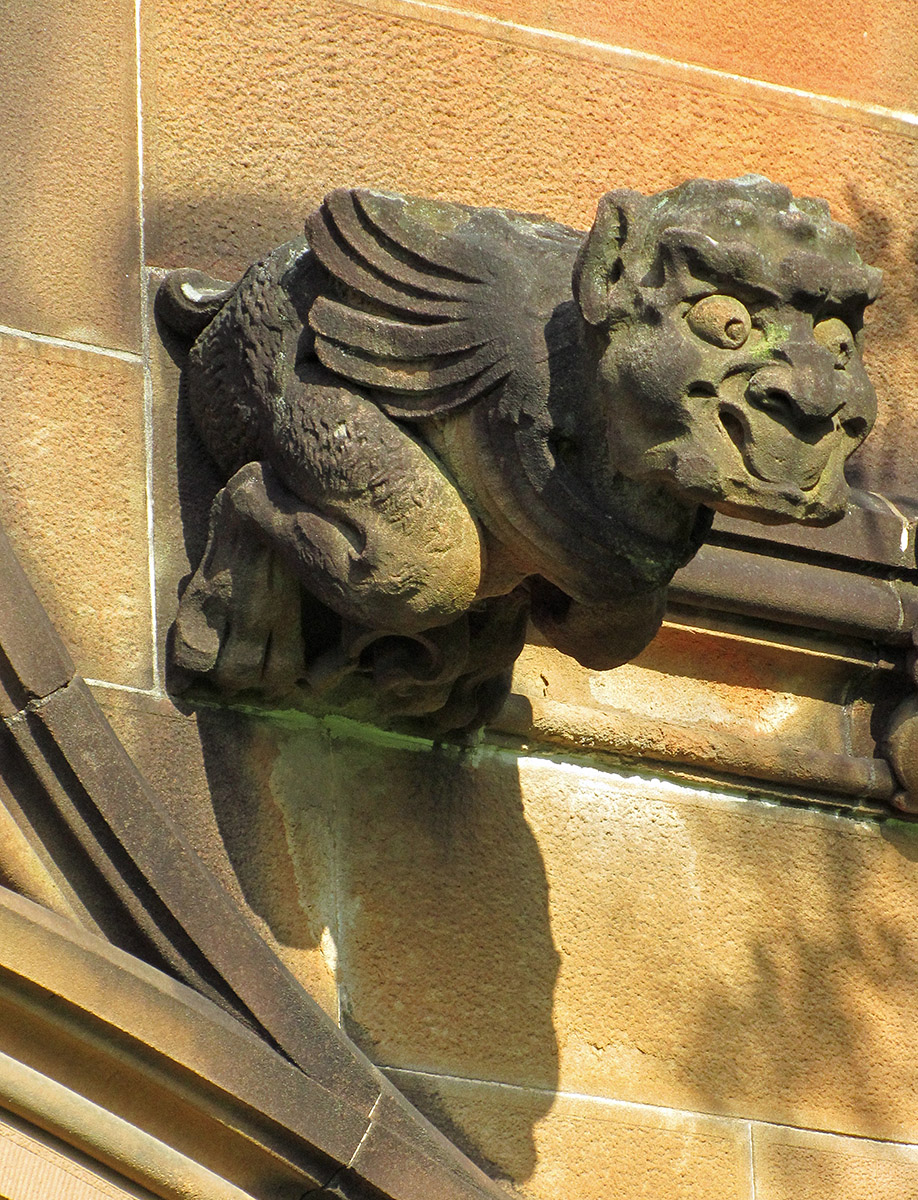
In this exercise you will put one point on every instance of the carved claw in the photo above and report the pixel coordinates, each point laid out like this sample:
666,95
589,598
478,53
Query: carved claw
901,750
597,636
238,624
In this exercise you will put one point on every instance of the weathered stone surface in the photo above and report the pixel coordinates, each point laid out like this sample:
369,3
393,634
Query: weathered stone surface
240,790
801,713
586,1148
69,213
432,419
74,499
548,924
848,49
448,113
794,1164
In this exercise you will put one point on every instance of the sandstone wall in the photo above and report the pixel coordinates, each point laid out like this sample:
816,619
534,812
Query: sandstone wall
604,978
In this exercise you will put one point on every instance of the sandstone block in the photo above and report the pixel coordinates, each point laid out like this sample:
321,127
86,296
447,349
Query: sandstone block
550,924
240,789
586,1148
74,499
844,49
794,1164
69,220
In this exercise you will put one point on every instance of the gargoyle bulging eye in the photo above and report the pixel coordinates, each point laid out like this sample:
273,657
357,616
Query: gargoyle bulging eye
722,320
837,338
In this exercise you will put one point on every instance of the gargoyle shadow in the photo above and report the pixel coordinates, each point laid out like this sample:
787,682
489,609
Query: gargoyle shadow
417,861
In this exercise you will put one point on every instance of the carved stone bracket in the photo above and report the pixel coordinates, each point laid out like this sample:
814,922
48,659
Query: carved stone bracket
434,421
826,614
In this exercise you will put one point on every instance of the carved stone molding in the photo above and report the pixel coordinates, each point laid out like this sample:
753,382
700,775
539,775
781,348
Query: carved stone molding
792,649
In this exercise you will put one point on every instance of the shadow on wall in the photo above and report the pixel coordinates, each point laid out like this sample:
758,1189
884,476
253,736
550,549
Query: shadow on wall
809,1016
418,864
411,866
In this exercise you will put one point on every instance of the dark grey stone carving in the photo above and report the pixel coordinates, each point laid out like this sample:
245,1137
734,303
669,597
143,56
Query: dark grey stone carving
435,421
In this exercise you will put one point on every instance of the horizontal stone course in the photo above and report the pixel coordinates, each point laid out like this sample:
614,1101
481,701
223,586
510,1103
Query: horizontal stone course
795,1164
846,49
584,1148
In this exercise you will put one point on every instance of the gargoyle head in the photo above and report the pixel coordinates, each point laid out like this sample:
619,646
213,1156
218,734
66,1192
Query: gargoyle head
724,322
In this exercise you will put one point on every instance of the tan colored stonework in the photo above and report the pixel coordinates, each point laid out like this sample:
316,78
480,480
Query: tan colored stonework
549,924
794,1164
74,499
848,49
69,230
587,1149
541,919
716,703
243,791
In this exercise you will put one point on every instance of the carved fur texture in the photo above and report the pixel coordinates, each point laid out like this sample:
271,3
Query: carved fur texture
435,421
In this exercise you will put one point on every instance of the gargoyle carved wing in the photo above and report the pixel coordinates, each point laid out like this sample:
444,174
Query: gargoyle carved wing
431,306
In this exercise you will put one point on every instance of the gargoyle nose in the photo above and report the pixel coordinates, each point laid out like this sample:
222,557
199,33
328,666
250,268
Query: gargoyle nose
802,394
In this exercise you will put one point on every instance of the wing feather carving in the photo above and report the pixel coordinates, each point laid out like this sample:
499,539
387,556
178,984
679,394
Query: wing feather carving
430,305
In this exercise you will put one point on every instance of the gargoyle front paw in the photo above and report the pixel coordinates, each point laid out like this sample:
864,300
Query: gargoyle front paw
238,624
901,749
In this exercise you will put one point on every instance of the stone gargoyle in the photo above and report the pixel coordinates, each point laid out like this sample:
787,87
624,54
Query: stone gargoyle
436,421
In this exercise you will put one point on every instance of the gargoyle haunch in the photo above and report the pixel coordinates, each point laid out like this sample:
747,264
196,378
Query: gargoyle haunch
436,420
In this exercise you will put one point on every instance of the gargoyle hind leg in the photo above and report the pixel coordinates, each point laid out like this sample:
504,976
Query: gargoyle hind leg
366,519
374,530
239,620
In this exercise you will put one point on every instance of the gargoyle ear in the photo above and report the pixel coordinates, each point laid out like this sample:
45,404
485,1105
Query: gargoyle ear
599,263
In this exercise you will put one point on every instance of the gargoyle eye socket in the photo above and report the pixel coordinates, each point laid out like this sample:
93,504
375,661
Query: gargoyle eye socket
721,320
836,337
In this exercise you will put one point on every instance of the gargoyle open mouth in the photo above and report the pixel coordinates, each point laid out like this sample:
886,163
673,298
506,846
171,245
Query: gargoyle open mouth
771,452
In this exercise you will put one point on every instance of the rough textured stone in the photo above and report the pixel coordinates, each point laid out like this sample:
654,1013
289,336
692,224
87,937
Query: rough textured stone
587,1149
234,166
542,923
717,698
238,789
69,223
74,499
793,1164
847,49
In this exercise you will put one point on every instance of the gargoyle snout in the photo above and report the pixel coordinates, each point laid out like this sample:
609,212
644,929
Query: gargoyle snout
803,395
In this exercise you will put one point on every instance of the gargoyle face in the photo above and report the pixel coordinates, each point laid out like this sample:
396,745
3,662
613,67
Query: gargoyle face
728,349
